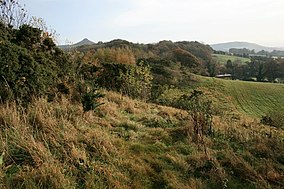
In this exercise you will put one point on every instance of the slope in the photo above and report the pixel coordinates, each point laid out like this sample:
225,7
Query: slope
222,59
252,98
131,144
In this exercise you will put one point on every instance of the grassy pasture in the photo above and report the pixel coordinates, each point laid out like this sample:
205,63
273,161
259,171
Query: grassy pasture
222,59
251,98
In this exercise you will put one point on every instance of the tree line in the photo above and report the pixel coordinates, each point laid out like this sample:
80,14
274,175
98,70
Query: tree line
261,69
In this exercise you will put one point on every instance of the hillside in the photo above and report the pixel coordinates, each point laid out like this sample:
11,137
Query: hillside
162,49
123,115
240,45
131,144
250,98
222,59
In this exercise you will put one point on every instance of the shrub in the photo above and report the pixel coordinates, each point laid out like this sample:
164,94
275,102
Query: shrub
274,118
200,111
21,76
30,64
90,98
136,82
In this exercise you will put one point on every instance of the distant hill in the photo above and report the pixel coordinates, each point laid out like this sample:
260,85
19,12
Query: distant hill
81,43
241,45
162,50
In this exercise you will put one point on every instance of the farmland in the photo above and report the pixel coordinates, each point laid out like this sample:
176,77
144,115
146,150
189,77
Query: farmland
222,59
251,98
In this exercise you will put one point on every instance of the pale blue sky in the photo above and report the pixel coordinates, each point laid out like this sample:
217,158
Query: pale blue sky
145,21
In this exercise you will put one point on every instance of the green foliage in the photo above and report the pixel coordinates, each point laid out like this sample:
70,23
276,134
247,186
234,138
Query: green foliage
136,82
28,37
124,52
30,64
171,96
168,72
212,68
132,80
108,76
261,69
199,50
90,98
20,74
188,60
5,33
87,72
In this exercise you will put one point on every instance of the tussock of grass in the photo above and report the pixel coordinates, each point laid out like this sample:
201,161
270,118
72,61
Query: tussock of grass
131,144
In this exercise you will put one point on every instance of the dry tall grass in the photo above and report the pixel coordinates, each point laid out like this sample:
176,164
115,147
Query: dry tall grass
130,144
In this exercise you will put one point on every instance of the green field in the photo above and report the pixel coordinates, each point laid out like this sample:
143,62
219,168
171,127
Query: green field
222,59
252,98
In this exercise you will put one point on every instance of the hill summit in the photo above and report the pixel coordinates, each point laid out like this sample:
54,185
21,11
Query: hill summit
85,41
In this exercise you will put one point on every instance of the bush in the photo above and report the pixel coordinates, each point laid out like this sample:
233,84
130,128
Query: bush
21,76
90,98
274,118
134,81
30,64
200,111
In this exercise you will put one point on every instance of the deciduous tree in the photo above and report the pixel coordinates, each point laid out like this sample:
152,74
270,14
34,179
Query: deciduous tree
12,14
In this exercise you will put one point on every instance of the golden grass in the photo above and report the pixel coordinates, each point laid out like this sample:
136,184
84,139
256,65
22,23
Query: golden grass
131,144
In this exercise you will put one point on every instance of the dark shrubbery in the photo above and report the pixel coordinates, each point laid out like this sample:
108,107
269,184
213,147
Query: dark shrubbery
30,64
90,98
21,75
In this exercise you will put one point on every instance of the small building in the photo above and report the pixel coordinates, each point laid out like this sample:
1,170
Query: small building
225,76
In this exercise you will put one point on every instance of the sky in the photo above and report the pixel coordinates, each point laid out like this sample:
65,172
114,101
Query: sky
149,21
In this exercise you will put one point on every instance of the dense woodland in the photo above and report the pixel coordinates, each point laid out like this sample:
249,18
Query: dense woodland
126,115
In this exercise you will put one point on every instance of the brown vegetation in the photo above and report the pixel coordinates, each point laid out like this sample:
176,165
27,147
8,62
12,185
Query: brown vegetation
130,144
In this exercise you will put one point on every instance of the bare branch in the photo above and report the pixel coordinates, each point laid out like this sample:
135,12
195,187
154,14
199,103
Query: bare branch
12,14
